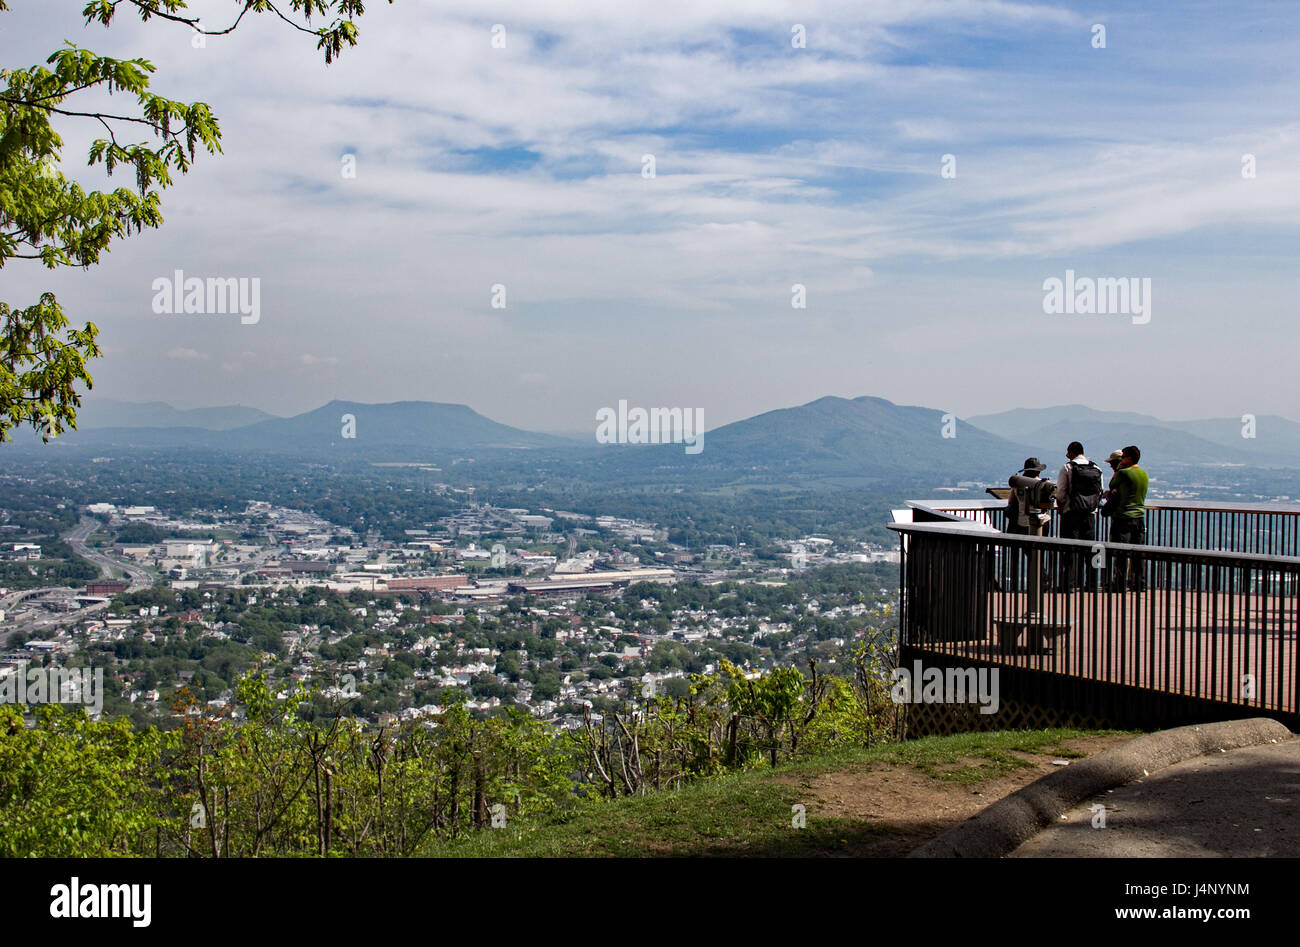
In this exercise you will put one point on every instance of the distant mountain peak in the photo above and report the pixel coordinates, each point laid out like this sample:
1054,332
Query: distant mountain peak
96,413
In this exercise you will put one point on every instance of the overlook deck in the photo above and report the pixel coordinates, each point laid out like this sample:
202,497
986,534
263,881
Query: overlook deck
1180,642
1213,633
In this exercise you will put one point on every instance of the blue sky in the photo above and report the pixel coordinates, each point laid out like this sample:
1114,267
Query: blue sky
774,165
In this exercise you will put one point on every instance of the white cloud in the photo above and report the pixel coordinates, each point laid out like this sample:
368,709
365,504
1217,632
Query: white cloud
774,166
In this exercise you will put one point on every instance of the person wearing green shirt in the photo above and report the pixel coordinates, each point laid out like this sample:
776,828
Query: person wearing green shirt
1129,522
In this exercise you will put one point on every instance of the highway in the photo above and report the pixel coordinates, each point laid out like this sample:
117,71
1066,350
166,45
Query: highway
76,538
38,620
8,602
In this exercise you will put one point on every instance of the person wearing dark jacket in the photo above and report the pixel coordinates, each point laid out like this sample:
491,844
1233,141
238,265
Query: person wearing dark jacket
1032,468
1017,561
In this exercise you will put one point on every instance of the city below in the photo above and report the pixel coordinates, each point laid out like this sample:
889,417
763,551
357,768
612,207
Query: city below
552,611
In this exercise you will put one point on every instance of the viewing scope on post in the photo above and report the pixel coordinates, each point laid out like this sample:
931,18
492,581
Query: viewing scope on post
1035,498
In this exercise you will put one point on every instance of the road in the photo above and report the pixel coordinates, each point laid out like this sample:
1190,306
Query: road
38,619
139,578
8,602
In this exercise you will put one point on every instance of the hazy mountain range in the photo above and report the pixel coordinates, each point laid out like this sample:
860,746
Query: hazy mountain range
1276,440
402,424
830,439
107,413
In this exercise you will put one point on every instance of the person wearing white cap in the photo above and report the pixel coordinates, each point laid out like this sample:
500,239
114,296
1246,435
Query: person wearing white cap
1106,509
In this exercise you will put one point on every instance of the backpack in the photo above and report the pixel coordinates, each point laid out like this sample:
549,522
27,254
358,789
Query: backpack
1085,487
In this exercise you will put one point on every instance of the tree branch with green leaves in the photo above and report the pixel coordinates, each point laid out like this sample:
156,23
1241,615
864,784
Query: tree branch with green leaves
48,218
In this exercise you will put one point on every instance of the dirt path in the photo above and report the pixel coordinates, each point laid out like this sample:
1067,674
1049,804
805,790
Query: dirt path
908,807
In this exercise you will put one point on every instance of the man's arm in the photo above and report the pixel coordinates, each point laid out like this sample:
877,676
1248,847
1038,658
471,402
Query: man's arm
1108,495
1063,488
1119,487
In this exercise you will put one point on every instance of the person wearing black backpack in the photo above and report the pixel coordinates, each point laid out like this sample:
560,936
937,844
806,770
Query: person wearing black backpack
1078,494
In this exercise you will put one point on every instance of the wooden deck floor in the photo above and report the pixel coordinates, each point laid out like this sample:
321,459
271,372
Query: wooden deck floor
1200,644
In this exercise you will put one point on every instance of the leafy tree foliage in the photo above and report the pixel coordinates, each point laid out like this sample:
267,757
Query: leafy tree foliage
48,218
288,774
56,777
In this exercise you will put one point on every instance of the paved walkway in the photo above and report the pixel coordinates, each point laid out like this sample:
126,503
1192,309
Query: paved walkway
1240,803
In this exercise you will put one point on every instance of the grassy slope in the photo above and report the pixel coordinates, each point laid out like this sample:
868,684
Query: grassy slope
750,813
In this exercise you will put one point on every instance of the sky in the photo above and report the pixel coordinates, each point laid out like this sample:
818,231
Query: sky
502,146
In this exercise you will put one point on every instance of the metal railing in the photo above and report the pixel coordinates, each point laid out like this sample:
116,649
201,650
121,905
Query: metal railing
1217,624
1270,529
